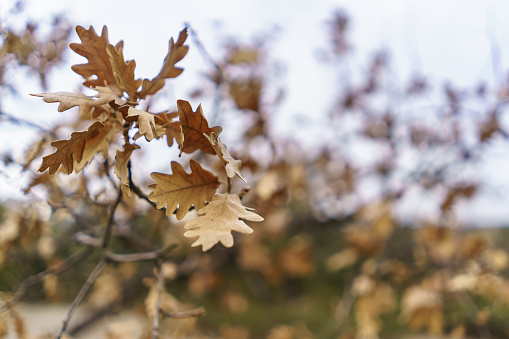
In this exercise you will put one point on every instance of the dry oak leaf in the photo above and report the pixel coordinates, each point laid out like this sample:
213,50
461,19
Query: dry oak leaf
122,159
85,103
182,189
231,165
75,153
123,71
146,120
176,51
169,127
216,221
194,128
93,47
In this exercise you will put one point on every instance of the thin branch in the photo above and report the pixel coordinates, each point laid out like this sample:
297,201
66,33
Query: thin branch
135,189
109,226
219,78
79,298
155,318
200,47
194,313
21,291
159,254
18,121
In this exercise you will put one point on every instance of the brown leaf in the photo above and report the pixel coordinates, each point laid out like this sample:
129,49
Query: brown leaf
122,159
123,71
146,122
170,128
218,219
176,52
246,93
182,189
194,128
231,165
243,55
75,153
93,47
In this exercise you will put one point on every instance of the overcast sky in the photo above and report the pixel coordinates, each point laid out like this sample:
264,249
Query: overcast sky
452,40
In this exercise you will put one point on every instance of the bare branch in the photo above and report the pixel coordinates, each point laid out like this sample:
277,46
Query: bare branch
159,254
194,313
84,289
155,318
109,225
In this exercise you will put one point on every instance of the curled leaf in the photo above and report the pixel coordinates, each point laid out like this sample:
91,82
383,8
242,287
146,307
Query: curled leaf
231,165
146,120
121,170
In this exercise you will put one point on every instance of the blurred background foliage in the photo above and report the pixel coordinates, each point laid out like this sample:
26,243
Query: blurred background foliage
344,251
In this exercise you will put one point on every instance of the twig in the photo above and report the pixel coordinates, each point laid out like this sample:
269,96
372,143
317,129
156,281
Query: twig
200,47
155,318
84,289
159,254
109,225
194,313
18,121
135,189
219,78
21,291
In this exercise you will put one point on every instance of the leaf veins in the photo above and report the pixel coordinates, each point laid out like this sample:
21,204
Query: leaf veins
75,153
218,219
123,71
93,47
194,126
183,190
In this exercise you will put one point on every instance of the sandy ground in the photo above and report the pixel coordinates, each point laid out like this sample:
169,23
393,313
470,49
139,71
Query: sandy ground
41,319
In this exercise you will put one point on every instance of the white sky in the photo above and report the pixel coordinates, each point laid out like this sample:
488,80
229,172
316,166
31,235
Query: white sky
443,40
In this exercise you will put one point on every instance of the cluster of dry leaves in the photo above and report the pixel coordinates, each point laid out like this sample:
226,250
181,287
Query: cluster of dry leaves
328,260
114,112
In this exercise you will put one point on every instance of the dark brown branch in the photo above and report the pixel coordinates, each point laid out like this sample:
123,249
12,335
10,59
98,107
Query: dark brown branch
111,219
135,189
84,289
194,313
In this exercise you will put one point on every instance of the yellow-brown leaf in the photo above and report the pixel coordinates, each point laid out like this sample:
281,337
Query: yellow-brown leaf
122,159
146,120
75,153
176,52
93,47
231,165
123,71
170,128
183,190
218,219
